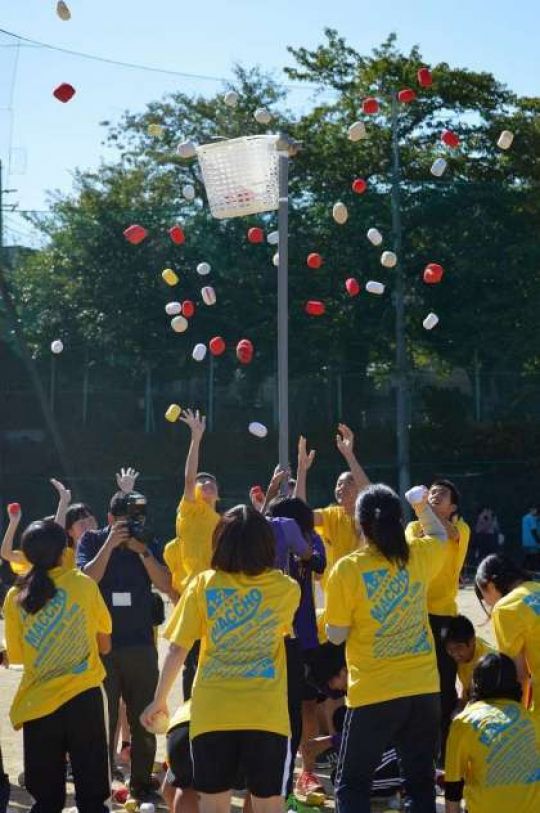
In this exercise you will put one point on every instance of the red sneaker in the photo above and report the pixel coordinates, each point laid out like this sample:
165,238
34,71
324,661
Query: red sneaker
308,783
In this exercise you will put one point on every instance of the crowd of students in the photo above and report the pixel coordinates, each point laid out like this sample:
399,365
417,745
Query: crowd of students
267,675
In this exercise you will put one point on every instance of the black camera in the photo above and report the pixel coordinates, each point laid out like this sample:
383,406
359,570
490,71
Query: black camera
136,517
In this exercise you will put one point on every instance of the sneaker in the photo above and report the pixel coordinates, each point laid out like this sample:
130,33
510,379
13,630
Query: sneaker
308,783
145,794
328,757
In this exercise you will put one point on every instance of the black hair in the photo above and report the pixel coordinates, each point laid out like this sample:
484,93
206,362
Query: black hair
243,542
502,571
458,630
454,493
42,543
75,512
118,504
495,677
293,508
326,662
379,516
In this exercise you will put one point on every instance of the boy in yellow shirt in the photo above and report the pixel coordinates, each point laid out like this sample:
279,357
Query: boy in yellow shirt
335,523
443,499
466,649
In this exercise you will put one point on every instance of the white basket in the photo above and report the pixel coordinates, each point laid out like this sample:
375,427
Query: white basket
240,175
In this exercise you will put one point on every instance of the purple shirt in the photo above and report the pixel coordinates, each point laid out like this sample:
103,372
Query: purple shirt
305,620
291,549
289,539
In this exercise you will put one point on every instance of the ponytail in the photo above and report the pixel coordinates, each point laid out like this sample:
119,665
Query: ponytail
43,544
379,516
36,589
502,572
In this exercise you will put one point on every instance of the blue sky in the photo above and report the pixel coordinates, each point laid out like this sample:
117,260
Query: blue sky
42,141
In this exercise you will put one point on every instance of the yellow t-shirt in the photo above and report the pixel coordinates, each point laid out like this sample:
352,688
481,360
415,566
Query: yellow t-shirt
21,568
389,651
495,748
172,556
465,670
516,622
443,590
195,523
57,646
241,680
339,534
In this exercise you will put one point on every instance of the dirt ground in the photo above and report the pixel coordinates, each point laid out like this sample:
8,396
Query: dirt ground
11,741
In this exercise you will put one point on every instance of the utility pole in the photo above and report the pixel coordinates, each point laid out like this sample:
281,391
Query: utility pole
402,382
14,325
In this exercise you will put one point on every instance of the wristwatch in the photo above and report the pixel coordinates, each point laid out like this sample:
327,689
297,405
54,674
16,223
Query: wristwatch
145,554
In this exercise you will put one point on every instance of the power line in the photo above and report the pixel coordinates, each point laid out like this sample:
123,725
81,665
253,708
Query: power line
132,65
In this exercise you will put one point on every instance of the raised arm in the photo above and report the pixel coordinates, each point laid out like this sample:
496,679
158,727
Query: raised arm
6,551
64,499
278,478
345,445
197,425
97,566
417,497
304,463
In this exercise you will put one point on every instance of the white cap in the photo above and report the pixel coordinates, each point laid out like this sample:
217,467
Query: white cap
199,352
147,807
188,191
388,259
374,287
57,346
357,131
262,115
209,295
430,321
173,308
505,140
231,98
186,149
179,324
438,167
273,238
340,213
275,259
375,237
203,269
258,429
416,494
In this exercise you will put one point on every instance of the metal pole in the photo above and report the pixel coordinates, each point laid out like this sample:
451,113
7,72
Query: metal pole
283,310
14,325
52,384
211,393
402,394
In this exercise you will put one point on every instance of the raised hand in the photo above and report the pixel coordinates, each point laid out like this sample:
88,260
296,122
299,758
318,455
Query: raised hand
126,479
345,440
195,421
305,459
14,512
278,478
64,494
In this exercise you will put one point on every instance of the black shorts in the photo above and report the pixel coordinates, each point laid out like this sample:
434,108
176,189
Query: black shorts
308,687
180,772
262,758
